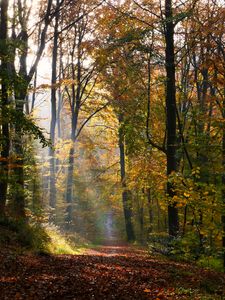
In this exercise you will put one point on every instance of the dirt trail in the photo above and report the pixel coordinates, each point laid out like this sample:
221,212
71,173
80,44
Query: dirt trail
108,272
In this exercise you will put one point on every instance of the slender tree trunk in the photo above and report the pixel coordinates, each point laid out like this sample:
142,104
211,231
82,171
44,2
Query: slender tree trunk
57,167
150,209
171,115
20,99
75,114
70,175
18,191
223,185
141,216
125,193
5,146
158,214
34,92
69,187
52,198
185,219
59,113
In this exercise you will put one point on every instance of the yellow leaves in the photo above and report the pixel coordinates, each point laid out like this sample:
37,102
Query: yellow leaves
192,192
179,200
196,172
62,149
43,87
186,195
175,198
45,164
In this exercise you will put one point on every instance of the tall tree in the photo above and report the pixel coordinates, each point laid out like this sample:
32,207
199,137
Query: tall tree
126,195
21,92
4,102
170,114
82,77
52,199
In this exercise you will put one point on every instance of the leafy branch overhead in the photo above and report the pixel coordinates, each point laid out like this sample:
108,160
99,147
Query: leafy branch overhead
26,125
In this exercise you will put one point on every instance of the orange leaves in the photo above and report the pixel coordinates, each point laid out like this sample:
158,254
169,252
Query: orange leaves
3,159
110,272
160,293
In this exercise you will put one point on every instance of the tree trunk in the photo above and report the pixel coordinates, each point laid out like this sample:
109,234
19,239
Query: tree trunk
18,191
173,221
75,114
223,185
150,210
140,203
69,185
125,193
34,92
20,99
59,113
52,198
158,214
4,102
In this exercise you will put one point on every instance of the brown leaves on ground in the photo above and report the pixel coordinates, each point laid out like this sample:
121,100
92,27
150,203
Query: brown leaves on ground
109,272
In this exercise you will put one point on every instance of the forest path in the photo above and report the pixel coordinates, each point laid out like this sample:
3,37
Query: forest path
107,272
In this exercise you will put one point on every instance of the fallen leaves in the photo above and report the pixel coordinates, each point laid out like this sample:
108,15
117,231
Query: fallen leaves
106,273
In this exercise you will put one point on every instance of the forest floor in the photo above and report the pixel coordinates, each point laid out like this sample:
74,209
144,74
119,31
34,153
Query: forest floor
106,272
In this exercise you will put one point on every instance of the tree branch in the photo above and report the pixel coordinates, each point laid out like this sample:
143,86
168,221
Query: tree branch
88,119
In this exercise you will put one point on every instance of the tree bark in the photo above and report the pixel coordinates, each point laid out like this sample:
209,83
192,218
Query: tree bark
150,210
4,102
173,221
52,197
20,99
75,109
18,191
140,205
127,209
223,185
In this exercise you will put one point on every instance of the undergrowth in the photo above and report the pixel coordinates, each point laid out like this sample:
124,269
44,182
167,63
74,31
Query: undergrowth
64,243
22,236
184,249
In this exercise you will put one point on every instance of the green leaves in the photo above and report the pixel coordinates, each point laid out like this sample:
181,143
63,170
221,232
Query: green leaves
25,124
